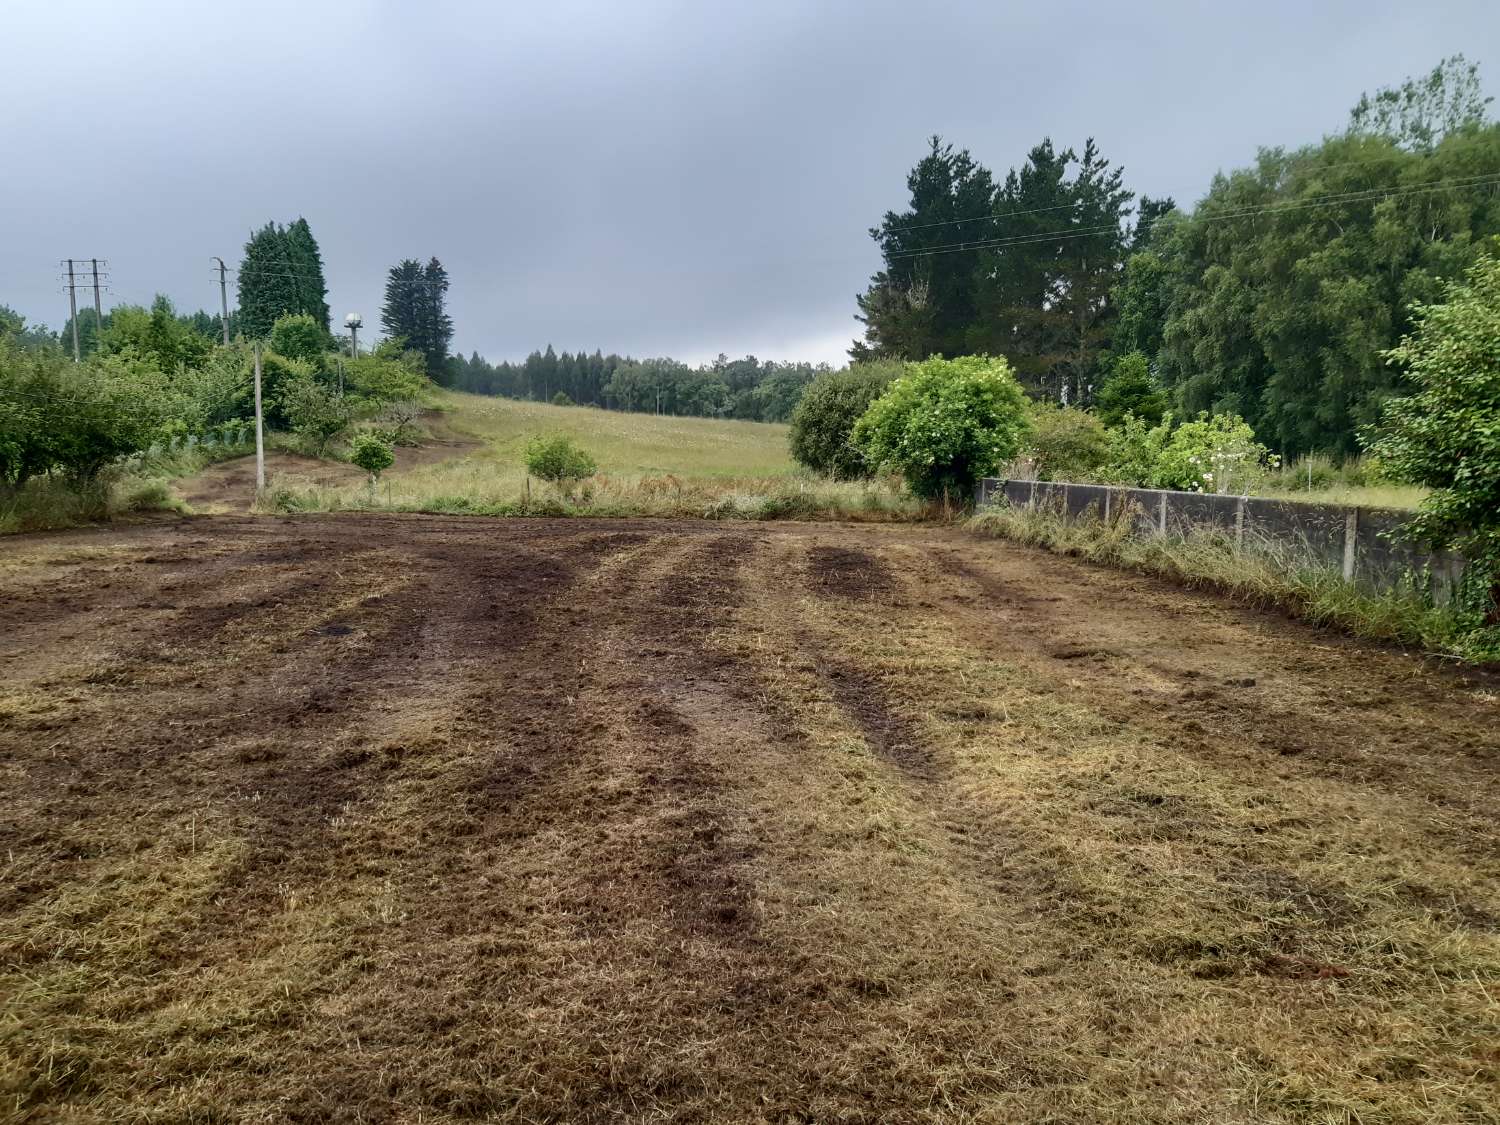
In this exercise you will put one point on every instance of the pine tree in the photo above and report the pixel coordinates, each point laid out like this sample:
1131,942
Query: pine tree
281,273
1019,286
1091,265
437,325
401,317
307,266
923,303
414,311
267,283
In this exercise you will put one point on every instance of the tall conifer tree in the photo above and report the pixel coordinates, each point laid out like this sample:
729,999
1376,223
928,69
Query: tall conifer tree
281,273
307,266
415,311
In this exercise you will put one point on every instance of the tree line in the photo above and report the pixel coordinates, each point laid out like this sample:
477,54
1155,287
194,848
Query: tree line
747,388
1275,298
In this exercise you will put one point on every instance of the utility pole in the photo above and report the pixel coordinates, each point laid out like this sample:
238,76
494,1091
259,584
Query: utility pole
98,311
260,441
352,322
73,310
223,300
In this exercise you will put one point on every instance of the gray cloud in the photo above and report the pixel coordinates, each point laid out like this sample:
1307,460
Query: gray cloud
658,178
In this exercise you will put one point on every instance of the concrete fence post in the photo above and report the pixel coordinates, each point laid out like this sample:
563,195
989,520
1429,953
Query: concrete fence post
1108,492
1067,511
1031,500
1447,573
1351,533
1239,523
1161,514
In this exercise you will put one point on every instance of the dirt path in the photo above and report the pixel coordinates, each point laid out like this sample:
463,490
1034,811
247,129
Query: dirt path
420,819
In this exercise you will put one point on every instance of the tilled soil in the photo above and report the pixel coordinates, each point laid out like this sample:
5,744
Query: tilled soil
361,818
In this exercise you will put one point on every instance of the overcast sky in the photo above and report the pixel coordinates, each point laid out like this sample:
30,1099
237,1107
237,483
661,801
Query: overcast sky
653,178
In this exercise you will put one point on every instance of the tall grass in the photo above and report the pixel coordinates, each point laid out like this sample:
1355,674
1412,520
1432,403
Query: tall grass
1263,572
483,488
138,484
1359,481
54,503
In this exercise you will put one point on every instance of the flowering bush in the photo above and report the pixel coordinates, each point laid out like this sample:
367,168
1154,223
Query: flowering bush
1212,453
946,423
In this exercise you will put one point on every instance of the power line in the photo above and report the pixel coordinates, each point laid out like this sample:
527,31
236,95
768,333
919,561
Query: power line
1233,213
414,284
1066,206
1367,195
1066,233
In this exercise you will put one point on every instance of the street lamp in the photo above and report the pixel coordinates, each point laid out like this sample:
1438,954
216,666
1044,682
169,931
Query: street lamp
353,322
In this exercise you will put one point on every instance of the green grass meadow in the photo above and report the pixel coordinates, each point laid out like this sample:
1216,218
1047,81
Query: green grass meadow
649,465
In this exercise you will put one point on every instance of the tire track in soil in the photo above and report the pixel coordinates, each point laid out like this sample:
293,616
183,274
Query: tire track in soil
434,656
847,574
1093,673
1225,702
619,768
869,598
282,799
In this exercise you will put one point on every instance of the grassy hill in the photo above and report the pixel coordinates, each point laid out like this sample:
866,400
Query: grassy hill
648,465
635,444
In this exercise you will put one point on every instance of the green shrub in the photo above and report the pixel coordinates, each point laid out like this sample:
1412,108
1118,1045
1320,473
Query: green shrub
1134,451
372,453
562,398
277,373
317,413
74,419
821,436
1447,435
946,423
147,495
1130,391
299,336
556,458
401,420
1066,443
1314,472
384,376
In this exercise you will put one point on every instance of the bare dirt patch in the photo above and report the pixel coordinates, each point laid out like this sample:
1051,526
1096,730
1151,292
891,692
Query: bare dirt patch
365,818
847,573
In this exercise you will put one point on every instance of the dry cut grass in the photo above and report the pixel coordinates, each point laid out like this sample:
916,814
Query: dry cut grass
424,819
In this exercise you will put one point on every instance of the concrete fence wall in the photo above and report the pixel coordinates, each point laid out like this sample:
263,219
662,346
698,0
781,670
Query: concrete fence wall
1360,542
